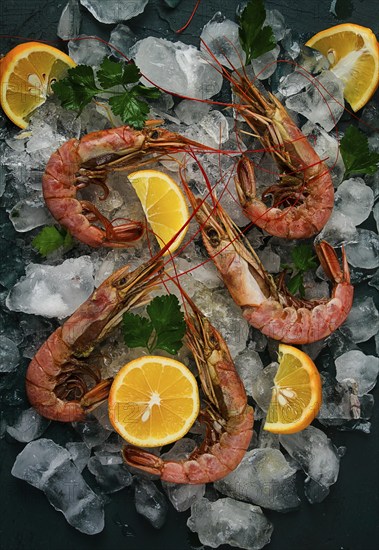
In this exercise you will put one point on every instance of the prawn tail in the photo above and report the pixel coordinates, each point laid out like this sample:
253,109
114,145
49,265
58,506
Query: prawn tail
245,181
138,458
330,263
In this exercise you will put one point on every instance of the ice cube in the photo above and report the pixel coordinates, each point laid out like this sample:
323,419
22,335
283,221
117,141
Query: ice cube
363,320
87,50
312,60
92,432
315,453
263,478
79,454
269,259
267,439
220,39
265,65
28,426
360,367
262,388
290,43
69,22
364,252
275,20
27,215
53,291
369,118
338,230
322,102
293,83
376,214
9,355
110,472
354,199
113,11
339,402
177,68
225,315
228,521
191,112
249,365
122,39
150,502
216,125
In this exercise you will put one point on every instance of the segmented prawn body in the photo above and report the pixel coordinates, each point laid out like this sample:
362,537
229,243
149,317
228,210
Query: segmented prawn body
57,377
80,163
267,305
303,198
228,418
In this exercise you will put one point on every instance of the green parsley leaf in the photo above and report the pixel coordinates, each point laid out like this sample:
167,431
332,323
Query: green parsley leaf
77,89
50,239
164,330
113,73
356,155
130,108
303,258
255,38
296,284
137,330
168,322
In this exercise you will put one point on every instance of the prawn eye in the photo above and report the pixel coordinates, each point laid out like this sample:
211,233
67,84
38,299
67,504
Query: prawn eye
122,281
213,237
155,134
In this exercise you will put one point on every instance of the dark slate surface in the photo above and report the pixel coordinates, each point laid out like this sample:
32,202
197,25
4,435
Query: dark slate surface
348,518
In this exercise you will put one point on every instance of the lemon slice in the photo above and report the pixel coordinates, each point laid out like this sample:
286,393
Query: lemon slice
26,75
296,395
353,52
153,401
164,205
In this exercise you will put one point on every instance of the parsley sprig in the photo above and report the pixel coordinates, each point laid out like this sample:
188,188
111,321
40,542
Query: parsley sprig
50,239
356,154
82,85
255,38
163,330
302,260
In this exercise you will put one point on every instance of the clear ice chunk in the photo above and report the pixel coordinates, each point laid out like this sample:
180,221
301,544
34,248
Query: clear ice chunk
339,229
216,125
265,65
293,83
92,432
177,68
354,199
316,454
322,102
69,22
363,320
122,39
150,502
114,12
265,478
48,467
340,403
364,252
110,472
362,368
27,215
79,454
312,60
191,112
86,50
249,365
275,19
269,259
9,355
262,388
53,291
220,39
227,521
28,426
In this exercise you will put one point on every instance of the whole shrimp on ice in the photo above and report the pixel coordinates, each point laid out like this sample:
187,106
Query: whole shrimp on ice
228,418
266,305
303,198
80,163
56,379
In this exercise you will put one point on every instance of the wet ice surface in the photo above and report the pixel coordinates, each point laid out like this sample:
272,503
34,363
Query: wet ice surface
363,320
249,365
122,38
220,38
263,478
265,65
28,426
114,11
362,368
150,502
69,22
354,199
47,466
79,454
110,472
88,51
9,355
176,68
364,252
322,102
26,215
262,388
338,230
315,453
91,432
228,521
53,291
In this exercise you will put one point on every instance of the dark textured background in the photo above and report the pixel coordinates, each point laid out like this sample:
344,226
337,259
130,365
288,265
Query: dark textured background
348,519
